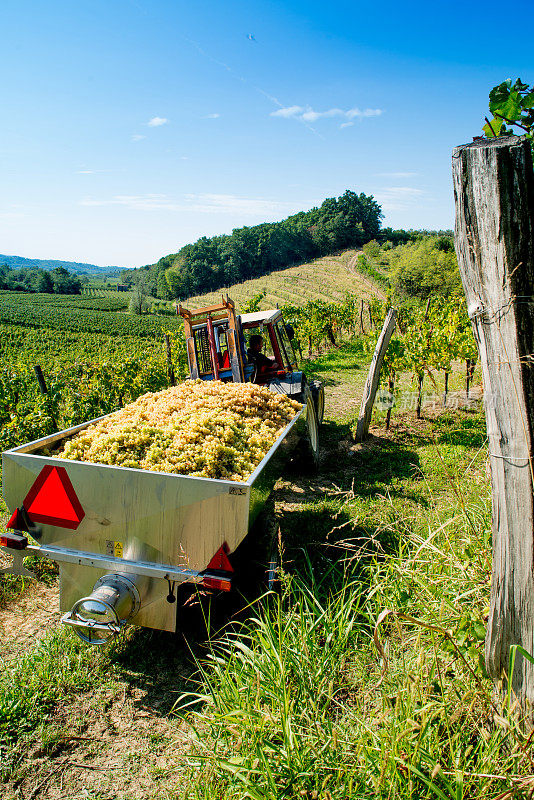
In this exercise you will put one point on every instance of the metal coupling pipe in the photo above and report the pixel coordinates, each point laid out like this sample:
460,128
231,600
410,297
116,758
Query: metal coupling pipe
103,614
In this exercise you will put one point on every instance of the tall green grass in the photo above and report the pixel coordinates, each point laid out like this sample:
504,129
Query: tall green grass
368,681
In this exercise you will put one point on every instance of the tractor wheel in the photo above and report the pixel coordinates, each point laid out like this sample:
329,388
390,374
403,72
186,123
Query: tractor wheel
317,390
308,450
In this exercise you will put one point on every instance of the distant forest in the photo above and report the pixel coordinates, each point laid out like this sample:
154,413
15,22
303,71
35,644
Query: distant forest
78,267
212,263
56,281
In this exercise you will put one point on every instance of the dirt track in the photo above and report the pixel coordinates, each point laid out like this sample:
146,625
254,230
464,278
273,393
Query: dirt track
27,618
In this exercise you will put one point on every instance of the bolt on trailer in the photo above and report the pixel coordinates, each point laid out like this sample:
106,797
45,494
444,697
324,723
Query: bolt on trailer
125,538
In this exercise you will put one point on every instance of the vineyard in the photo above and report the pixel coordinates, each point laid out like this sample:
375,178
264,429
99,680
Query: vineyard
96,358
83,316
327,279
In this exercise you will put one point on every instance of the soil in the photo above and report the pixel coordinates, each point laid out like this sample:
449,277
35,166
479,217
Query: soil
28,618
115,747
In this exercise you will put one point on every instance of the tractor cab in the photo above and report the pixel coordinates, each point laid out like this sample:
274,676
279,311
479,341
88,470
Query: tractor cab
276,346
256,347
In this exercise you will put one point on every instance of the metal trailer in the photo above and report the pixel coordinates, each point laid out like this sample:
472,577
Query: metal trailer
136,534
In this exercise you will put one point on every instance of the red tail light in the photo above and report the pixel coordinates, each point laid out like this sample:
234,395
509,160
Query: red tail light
223,584
13,540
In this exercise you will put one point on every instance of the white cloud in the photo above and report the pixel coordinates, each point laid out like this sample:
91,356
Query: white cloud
346,124
137,137
398,198
290,111
85,172
199,203
12,216
211,116
308,114
155,122
146,202
396,174
233,204
403,191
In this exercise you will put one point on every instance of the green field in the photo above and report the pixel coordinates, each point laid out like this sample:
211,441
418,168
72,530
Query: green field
80,314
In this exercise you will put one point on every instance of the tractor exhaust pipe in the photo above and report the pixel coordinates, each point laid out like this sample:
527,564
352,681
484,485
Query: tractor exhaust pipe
102,615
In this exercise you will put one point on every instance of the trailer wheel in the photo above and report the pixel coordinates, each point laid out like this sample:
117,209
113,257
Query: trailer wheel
317,390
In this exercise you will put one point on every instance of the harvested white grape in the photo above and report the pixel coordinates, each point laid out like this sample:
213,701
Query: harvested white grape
209,429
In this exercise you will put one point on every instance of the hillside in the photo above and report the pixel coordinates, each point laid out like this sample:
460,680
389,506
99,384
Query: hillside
328,278
210,264
79,268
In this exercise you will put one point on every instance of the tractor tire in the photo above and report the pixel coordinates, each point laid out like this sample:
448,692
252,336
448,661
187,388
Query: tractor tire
317,390
307,455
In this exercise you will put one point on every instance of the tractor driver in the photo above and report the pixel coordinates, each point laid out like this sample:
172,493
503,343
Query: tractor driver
255,356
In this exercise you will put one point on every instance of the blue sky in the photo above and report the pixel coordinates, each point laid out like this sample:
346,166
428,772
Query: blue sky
130,128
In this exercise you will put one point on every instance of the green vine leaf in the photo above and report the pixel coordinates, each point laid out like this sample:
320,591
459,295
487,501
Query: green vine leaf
511,105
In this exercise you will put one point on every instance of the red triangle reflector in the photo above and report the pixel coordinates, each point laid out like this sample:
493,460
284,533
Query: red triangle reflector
220,560
17,521
52,499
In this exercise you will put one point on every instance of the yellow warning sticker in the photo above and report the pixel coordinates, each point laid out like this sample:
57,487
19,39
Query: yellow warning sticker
114,549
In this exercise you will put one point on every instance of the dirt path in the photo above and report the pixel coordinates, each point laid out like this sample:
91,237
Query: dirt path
119,740
107,747
28,618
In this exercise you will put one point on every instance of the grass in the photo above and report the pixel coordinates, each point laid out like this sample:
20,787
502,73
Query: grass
301,702
362,678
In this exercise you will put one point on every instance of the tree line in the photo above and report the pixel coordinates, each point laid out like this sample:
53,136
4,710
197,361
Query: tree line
56,281
219,261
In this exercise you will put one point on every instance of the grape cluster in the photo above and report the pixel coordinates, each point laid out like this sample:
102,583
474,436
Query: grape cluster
209,429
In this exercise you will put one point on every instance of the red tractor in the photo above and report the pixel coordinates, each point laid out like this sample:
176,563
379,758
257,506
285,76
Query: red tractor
256,347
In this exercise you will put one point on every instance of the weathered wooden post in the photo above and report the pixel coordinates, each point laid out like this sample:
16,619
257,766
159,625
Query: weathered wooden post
373,378
494,195
43,388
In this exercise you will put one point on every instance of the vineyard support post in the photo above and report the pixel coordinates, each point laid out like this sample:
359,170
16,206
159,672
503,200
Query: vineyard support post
470,366
421,376
373,378
494,195
40,379
43,388
391,390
